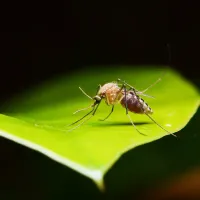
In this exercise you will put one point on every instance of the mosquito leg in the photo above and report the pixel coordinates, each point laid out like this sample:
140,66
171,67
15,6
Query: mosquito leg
80,123
134,125
159,125
108,114
93,110
129,115
140,92
98,88
82,109
96,108
158,80
124,83
122,87
82,117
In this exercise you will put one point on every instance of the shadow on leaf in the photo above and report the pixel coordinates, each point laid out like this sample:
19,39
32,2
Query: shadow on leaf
122,123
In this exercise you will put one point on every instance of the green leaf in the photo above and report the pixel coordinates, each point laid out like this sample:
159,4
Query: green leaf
39,118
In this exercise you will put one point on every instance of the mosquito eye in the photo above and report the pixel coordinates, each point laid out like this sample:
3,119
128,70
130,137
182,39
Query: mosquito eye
97,98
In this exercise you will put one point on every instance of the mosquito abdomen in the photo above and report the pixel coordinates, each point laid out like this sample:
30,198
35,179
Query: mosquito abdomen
135,104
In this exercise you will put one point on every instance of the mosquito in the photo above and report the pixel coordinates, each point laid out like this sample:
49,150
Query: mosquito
123,93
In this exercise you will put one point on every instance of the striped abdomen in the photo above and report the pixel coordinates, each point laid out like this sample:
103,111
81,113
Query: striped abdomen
135,104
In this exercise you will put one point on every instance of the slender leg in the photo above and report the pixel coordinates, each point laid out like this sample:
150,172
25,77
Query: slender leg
82,117
140,92
108,114
88,97
122,87
82,109
93,110
159,125
130,116
96,108
98,88
151,85
124,83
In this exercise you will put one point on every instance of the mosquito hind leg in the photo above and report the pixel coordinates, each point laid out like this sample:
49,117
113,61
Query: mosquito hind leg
160,125
134,125
158,80
108,114
141,92
126,84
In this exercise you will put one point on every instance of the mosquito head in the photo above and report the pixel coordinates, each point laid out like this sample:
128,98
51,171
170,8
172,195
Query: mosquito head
97,99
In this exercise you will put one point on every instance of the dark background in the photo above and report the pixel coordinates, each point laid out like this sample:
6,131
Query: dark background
39,40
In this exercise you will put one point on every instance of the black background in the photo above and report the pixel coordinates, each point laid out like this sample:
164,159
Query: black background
39,40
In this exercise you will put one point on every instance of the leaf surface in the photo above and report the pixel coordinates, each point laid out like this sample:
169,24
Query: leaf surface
39,118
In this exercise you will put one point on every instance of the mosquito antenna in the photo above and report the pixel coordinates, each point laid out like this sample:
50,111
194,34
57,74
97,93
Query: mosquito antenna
159,125
83,109
85,93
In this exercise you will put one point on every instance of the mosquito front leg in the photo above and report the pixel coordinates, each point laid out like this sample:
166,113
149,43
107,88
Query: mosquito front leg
82,117
93,113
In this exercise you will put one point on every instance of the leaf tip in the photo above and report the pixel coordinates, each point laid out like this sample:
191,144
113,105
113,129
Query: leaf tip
97,177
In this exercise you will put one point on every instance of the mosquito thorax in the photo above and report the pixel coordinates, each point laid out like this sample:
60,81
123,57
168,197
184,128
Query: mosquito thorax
108,87
111,92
